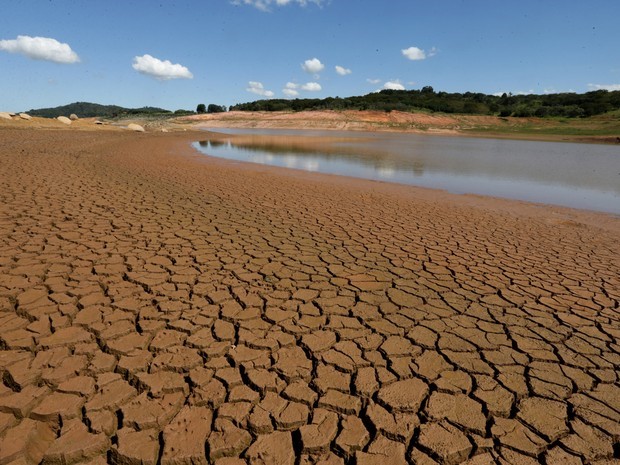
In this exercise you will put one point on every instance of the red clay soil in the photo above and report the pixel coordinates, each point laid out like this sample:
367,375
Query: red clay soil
340,120
162,307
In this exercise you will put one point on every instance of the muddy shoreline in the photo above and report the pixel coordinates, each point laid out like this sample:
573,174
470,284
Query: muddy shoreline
161,306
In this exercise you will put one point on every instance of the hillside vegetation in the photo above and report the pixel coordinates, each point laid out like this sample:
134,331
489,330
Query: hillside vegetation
89,110
569,105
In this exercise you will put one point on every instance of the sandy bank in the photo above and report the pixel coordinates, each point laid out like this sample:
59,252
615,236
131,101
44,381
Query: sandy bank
576,130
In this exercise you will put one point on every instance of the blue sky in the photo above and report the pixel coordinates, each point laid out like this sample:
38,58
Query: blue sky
227,52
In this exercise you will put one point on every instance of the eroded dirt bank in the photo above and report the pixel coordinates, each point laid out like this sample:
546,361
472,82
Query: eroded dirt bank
157,306
604,130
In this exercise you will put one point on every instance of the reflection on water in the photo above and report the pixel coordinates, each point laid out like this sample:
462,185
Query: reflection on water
575,175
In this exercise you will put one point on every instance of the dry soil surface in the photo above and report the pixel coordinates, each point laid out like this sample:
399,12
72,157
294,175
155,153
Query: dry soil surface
161,307
339,120
531,128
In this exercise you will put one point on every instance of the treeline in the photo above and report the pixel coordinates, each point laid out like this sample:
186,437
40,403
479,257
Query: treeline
565,104
89,110
212,108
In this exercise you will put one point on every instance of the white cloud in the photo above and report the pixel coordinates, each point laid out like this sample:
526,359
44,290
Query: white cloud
311,87
265,5
257,88
290,89
313,66
393,85
414,53
40,48
610,87
160,70
342,71
373,81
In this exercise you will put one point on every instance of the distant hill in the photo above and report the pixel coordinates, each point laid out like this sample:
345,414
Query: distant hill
88,110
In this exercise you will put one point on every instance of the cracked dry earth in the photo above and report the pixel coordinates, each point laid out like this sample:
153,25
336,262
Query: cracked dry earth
159,307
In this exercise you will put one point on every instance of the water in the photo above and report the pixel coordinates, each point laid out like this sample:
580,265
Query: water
585,176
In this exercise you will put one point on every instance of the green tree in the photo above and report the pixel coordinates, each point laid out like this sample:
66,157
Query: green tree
201,108
212,108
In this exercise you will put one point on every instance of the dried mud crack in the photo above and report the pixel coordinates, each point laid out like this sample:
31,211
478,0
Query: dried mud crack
158,307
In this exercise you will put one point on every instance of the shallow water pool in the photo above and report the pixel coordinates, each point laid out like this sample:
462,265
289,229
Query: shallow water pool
585,176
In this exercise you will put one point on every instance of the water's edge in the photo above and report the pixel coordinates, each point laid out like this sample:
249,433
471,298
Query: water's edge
572,175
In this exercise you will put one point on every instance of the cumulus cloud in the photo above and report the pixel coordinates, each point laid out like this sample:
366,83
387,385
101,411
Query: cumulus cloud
342,71
265,5
160,70
290,89
373,81
257,88
414,53
610,87
40,48
313,66
393,85
311,87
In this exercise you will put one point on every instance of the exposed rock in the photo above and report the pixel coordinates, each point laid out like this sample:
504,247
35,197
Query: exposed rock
5,115
64,119
135,127
25,116
73,117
